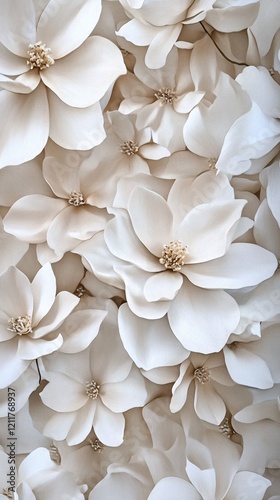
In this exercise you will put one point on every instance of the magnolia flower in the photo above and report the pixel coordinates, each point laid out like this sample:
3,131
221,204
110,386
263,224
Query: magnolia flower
29,314
46,78
176,257
72,214
97,393
39,477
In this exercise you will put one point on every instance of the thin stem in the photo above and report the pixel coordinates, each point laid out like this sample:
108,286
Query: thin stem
39,373
220,50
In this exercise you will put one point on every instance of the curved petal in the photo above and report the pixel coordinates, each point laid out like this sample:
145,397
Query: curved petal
151,218
205,229
82,424
247,368
202,320
108,426
74,395
30,349
30,217
11,64
208,404
16,294
75,128
122,396
44,291
245,264
11,366
162,286
63,305
233,17
65,27
141,339
23,112
124,244
17,32
166,487
11,250
73,225
80,329
161,45
71,78
23,84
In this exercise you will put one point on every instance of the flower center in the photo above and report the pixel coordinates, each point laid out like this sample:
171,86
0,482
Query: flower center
21,325
173,255
39,56
212,163
165,96
96,445
92,389
76,199
226,428
129,148
54,454
7,493
202,375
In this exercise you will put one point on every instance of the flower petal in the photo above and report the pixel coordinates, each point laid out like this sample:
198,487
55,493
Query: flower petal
16,293
202,320
122,396
75,128
29,348
74,395
71,78
11,366
23,112
82,424
247,368
151,218
80,329
44,291
245,264
108,426
162,286
208,404
63,305
142,337
17,32
65,29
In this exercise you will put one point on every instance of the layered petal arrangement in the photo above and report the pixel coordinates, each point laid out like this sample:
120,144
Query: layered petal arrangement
140,250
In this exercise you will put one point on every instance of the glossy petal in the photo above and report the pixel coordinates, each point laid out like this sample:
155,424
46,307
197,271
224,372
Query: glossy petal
202,320
23,112
243,265
71,77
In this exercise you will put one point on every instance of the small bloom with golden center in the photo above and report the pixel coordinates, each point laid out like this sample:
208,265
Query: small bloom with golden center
165,96
226,428
20,325
76,199
129,148
96,445
173,255
92,389
39,56
202,375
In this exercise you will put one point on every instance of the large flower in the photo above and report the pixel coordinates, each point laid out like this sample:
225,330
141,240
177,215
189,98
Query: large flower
29,313
177,257
46,79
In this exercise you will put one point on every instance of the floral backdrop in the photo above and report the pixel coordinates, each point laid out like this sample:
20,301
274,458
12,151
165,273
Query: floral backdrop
140,214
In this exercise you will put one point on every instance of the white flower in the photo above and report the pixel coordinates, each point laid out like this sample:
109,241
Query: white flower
46,79
29,313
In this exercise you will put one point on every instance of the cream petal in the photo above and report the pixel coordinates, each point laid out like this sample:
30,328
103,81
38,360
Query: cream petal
245,264
124,244
82,424
23,84
11,366
163,286
74,395
108,426
138,33
247,368
23,112
17,32
64,28
166,487
251,484
188,101
73,225
80,329
161,45
142,337
266,229
233,17
135,280
254,81
154,151
11,250
63,305
122,396
151,219
202,320
11,64
71,77
35,213
16,293
30,349
75,128
44,291
205,229
273,173
208,404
